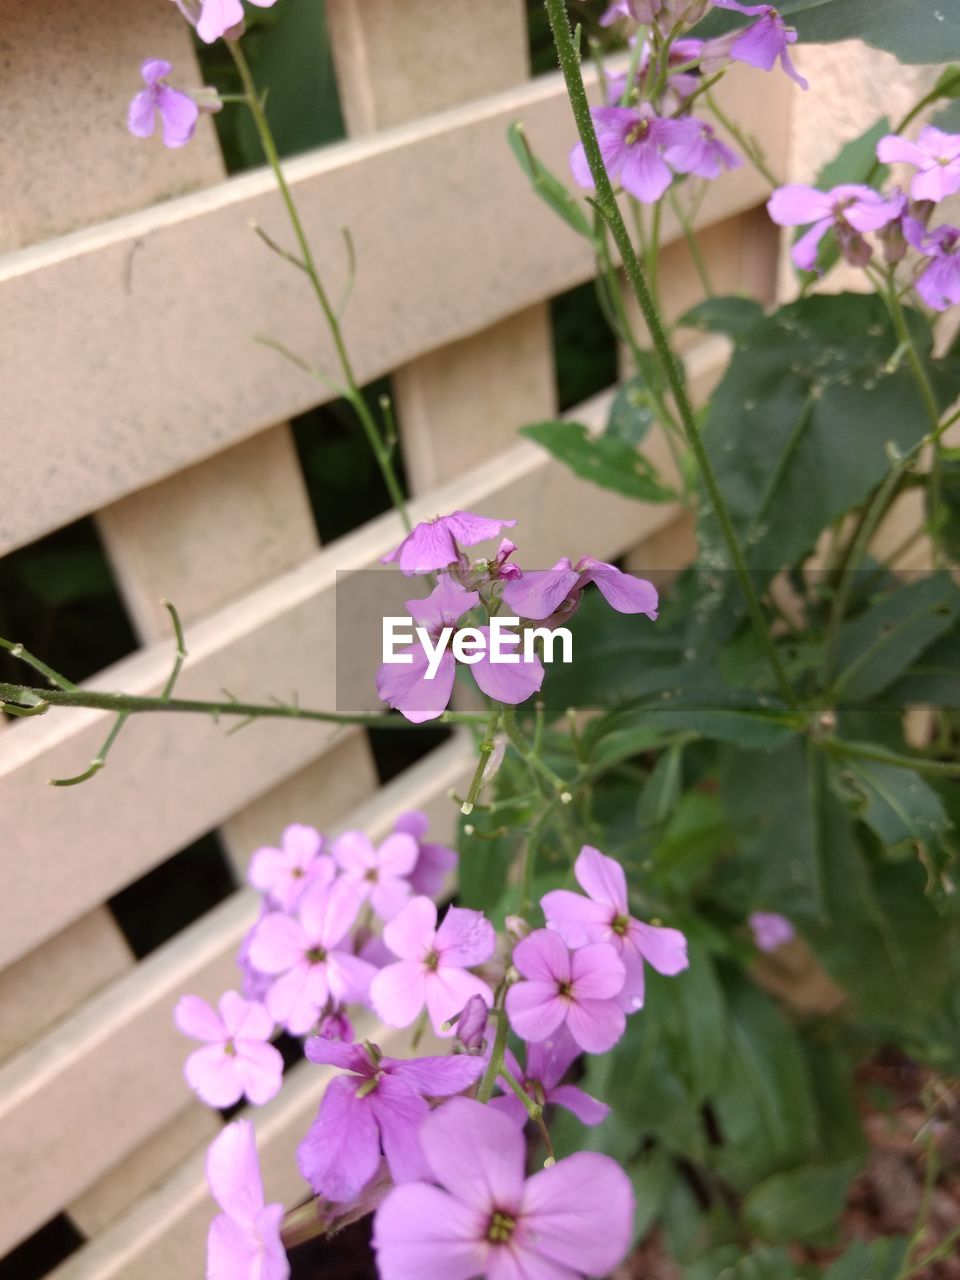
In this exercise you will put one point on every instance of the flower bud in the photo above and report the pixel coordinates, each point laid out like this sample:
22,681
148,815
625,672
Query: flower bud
517,927
472,1023
853,247
336,1026
893,242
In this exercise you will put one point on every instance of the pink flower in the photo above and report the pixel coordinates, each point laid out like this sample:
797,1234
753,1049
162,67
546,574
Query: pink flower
378,873
216,18
547,1063
705,157
434,861
419,696
576,989
939,284
433,543
336,1026
237,1059
851,209
604,916
382,1103
433,964
770,930
244,1240
471,1025
283,874
177,111
486,1219
680,84
555,593
639,10
309,952
760,45
936,157
633,144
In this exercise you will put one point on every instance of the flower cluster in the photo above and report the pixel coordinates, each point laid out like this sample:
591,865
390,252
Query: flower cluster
390,1132
549,596
900,220
647,131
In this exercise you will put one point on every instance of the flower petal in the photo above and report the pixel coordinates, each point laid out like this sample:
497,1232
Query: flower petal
596,1025
602,878
142,114
622,591
543,956
195,1018
539,593
341,1151
179,113
664,949
493,1176
465,938
795,206
400,1112
577,919
245,1019
588,1110
422,1233
510,682
260,1070
447,991
410,935
398,994
535,1009
597,971
407,689
580,1213
212,1074
437,1077
233,1171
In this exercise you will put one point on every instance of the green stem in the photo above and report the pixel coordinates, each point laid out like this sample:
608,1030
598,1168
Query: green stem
750,150
693,244
607,204
495,1065
18,651
860,751
485,748
132,704
353,393
537,766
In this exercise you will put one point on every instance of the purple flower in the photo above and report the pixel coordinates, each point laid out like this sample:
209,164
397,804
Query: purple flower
378,873
760,45
216,18
433,964
254,984
283,874
336,1026
547,1063
936,157
680,85
486,1219
555,593
433,544
577,989
434,861
418,695
237,1059
851,209
939,284
244,1240
381,1104
604,916
309,953
177,111
471,1025
639,10
770,930
633,143
706,156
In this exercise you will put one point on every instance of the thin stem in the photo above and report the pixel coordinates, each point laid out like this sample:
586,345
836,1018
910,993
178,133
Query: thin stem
308,264
485,749
533,1109
693,244
534,763
133,704
18,651
495,1065
607,204
860,751
750,149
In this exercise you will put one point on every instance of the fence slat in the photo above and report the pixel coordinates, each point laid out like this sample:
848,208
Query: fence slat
121,1050
461,243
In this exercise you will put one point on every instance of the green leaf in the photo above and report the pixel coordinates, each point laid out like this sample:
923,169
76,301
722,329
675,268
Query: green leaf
704,1016
880,643
733,316
912,30
740,717
548,187
605,460
799,1205
798,429
651,1175
729,1263
631,415
881,1259
934,677
949,533
897,804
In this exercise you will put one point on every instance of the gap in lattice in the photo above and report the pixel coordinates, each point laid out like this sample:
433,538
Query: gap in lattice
59,598
45,1249
396,750
343,480
585,349
288,49
160,904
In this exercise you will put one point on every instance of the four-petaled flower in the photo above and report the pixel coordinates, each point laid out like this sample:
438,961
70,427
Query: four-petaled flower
434,861
216,18
381,1104
555,593
432,544
409,688
760,45
936,157
547,1063
939,284
577,989
177,111
237,1059
604,916
309,953
284,874
244,1240
433,964
770,930
486,1219
379,873
633,144
851,209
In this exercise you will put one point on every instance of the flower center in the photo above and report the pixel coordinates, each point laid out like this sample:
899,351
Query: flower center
620,925
565,989
297,873
638,132
316,955
432,961
230,1049
371,875
370,1085
501,1228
